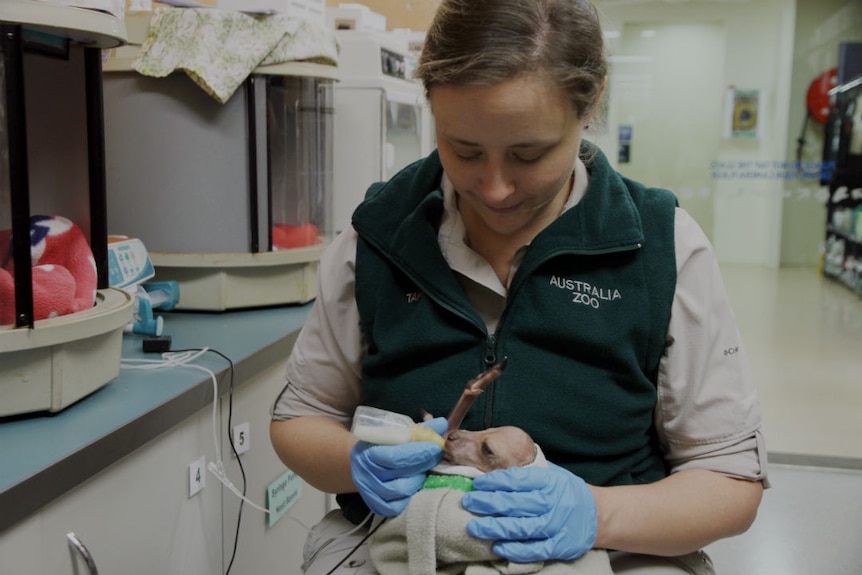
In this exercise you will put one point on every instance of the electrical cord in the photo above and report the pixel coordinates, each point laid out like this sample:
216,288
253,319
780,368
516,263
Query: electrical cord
358,545
232,446
310,561
184,358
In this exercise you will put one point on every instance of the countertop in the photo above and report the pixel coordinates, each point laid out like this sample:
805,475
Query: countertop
43,456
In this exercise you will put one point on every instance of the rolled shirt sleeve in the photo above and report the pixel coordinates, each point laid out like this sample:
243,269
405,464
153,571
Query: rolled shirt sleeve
322,372
708,412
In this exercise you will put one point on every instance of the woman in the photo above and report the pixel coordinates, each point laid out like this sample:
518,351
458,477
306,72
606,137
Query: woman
517,239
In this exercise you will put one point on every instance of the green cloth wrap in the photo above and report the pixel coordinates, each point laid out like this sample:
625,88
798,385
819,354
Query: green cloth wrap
459,482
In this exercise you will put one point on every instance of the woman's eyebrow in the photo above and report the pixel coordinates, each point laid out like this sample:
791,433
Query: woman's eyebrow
530,145
461,141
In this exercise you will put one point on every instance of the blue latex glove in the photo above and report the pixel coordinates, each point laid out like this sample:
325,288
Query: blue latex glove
388,475
533,514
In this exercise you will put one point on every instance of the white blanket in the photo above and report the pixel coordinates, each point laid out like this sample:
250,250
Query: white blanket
430,538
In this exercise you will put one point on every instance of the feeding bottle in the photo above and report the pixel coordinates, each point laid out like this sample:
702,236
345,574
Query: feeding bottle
388,428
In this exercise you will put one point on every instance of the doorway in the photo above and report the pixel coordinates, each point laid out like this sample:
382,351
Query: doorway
665,109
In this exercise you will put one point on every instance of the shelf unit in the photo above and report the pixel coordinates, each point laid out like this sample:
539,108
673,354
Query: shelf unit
843,257
842,152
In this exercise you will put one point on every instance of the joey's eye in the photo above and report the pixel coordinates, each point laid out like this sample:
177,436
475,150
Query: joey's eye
486,450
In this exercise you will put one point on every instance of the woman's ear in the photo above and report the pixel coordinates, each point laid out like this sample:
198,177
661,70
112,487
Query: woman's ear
588,117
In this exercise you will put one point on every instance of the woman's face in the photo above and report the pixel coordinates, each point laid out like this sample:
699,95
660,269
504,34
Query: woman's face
509,150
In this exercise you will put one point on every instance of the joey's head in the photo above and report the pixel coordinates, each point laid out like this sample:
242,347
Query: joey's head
490,449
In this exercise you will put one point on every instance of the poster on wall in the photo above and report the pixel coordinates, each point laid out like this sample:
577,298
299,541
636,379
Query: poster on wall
625,145
743,114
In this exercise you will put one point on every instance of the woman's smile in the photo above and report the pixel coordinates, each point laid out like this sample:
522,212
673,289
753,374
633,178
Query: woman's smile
503,210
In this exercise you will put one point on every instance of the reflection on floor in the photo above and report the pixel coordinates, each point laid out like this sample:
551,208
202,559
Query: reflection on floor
810,523
804,339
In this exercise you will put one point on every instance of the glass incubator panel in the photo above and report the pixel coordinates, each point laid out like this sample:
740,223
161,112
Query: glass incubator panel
189,175
5,196
403,135
300,131
6,307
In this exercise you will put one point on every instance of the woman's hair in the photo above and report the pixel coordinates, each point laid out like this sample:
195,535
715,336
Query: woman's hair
484,42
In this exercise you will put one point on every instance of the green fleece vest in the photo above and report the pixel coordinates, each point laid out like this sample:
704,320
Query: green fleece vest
583,329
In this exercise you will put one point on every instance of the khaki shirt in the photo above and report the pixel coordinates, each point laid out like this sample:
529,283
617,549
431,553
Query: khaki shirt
707,415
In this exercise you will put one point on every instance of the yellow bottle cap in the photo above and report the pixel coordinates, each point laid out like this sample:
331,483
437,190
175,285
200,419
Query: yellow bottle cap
422,433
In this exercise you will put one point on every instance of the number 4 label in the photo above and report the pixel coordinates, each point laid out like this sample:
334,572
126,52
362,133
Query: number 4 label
197,476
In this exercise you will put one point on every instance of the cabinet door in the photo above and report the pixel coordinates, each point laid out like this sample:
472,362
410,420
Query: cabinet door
135,517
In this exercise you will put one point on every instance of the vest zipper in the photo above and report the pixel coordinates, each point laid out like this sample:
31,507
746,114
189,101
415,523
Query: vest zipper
491,341
490,359
490,350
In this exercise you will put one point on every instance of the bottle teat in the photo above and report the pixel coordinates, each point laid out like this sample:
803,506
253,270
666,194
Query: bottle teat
422,433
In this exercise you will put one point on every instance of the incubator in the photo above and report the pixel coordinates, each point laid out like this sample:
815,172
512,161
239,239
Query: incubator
59,341
233,200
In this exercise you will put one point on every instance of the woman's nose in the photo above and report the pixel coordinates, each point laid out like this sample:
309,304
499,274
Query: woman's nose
495,186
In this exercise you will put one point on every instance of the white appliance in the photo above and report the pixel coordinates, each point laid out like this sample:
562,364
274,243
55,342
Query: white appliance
382,120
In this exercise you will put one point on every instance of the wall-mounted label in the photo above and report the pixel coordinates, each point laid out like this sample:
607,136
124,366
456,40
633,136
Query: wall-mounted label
743,114
281,495
392,64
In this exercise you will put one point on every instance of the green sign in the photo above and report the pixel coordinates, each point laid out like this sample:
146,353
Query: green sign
281,494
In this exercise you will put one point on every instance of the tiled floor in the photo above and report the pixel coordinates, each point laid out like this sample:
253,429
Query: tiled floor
804,338
809,523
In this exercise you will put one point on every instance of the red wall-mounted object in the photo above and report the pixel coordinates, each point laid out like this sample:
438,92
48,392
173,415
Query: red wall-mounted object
818,95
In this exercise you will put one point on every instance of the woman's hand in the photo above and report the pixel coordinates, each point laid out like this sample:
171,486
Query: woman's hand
533,513
388,476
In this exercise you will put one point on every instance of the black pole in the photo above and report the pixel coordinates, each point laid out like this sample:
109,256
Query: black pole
251,103
19,178
96,163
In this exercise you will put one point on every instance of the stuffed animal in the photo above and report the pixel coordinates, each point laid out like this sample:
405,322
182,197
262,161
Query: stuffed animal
64,270
285,236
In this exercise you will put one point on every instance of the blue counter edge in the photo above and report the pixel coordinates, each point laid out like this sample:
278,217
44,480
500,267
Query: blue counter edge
43,456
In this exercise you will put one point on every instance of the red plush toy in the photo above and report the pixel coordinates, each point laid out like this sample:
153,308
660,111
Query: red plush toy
285,237
64,270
